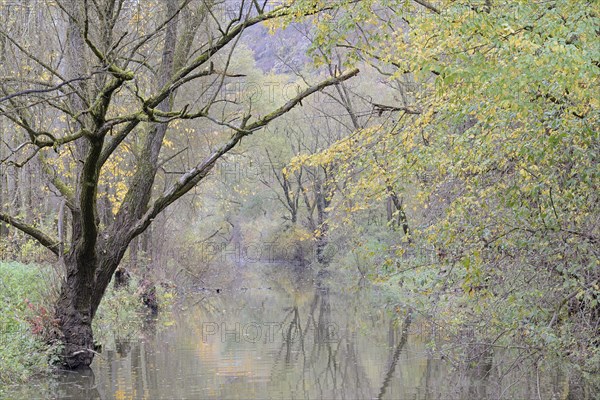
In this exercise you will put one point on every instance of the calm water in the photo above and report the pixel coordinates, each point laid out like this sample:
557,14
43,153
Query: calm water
272,343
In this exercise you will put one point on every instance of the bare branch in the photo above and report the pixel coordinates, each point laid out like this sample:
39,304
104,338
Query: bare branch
36,91
67,192
293,102
182,75
428,6
53,71
188,180
44,239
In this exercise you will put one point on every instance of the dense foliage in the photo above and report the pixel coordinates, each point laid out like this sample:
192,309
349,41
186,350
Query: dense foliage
496,144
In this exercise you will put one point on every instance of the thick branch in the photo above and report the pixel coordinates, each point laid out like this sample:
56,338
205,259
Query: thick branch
183,75
428,6
196,174
44,239
87,204
293,102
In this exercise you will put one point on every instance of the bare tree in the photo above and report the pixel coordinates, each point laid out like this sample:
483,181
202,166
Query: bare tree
97,75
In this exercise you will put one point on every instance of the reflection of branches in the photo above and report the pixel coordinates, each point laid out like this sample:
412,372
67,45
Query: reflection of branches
81,385
294,331
328,362
396,356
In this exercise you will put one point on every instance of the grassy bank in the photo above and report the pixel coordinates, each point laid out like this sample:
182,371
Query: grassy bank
24,317
27,293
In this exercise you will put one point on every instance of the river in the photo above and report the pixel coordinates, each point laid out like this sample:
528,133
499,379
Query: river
304,342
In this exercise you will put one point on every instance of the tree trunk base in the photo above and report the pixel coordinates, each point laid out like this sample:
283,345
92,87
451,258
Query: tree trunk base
76,336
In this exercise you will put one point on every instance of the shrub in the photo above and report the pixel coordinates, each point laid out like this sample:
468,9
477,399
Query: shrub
24,319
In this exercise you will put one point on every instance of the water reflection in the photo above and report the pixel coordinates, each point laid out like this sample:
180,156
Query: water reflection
287,343
77,384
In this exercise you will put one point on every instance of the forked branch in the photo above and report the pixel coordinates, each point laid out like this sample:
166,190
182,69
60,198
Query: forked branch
188,180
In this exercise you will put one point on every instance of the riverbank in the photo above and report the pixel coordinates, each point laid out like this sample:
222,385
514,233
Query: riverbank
27,292
23,319
295,341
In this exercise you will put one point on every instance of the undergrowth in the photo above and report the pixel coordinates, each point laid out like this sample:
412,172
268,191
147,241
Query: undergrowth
27,294
25,314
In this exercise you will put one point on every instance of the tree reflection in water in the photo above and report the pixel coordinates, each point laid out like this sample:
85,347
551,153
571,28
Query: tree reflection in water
324,343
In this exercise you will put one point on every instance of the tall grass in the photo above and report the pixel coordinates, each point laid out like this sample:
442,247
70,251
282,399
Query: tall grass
26,295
